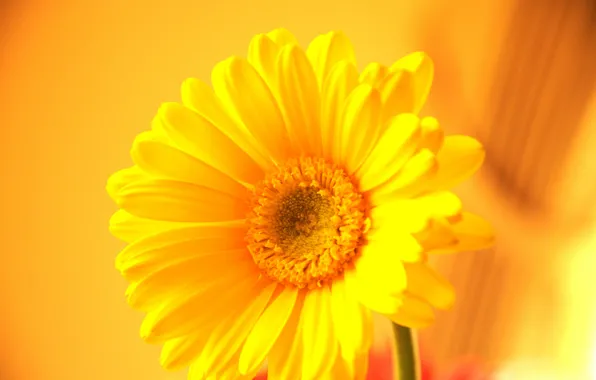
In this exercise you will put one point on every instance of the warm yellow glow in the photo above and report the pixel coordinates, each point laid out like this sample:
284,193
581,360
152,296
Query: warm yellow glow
267,216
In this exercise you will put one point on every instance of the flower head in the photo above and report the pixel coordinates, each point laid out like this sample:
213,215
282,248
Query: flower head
269,214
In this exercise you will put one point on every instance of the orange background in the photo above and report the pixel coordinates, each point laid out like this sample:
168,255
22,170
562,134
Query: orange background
80,79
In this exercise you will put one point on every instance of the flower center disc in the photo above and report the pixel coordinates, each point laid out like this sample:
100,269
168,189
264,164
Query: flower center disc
307,223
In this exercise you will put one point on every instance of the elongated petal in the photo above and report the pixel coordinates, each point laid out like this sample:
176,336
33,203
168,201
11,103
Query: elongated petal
180,352
299,99
320,343
143,256
227,339
352,322
266,331
201,139
179,202
360,126
459,158
189,312
471,232
397,94
421,68
340,82
411,180
327,50
241,88
262,55
286,356
394,149
122,178
201,271
165,161
199,97
128,227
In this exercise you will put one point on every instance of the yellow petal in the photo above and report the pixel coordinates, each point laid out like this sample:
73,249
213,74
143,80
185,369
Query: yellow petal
282,37
397,94
472,233
327,50
143,256
179,202
371,297
396,146
164,161
403,215
427,284
320,343
380,264
352,321
243,91
192,310
199,97
392,237
441,204
340,82
122,178
439,235
373,74
410,181
414,313
360,126
266,331
421,68
459,158
201,271
198,137
129,228
262,55
285,358
180,352
432,134
227,338
299,99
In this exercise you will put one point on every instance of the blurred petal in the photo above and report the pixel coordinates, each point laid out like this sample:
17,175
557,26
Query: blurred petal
428,285
299,99
471,232
396,146
327,50
340,82
360,126
266,331
413,313
421,68
241,87
320,344
373,74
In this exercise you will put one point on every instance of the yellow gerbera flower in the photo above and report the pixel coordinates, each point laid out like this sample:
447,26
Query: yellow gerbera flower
269,215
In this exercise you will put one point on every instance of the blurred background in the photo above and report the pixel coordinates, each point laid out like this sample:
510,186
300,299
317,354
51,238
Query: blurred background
79,79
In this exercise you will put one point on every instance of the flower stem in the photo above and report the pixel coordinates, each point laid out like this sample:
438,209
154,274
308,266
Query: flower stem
408,366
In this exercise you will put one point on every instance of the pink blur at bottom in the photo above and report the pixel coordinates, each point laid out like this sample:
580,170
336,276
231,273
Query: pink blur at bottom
381,367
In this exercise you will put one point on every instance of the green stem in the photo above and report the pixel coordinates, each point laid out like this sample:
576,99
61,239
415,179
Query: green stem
408,365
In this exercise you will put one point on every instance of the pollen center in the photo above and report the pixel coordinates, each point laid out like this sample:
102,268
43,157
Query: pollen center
307,223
